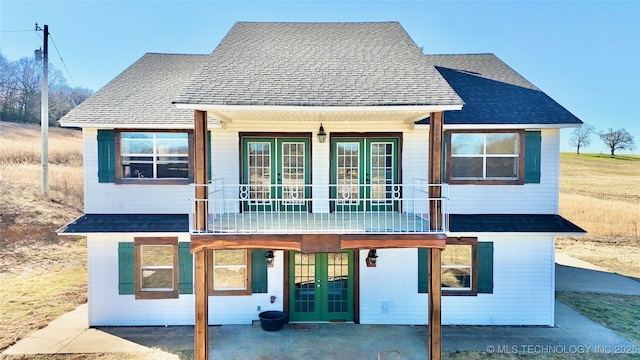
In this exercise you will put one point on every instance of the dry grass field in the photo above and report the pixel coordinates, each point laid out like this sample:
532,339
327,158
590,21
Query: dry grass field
602,195
43,275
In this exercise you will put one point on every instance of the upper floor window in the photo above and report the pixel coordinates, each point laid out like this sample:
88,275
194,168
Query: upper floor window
485,157
144,155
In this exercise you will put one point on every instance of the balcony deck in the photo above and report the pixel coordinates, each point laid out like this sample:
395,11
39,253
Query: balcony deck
399,209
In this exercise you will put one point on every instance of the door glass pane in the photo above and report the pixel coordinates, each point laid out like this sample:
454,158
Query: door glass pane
338,282
348,172
259,154
381,160
293,165
305,282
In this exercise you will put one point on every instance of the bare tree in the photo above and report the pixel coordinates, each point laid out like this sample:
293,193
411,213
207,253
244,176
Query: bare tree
617,140
581,137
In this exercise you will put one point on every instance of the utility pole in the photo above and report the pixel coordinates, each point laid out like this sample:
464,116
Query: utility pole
44,113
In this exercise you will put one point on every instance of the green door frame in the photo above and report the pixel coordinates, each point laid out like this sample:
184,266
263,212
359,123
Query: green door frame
320,298
275,176
364,173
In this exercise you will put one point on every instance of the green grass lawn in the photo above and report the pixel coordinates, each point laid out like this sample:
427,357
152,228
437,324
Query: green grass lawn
620,313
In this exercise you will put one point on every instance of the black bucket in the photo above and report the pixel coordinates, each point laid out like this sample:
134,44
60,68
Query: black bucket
272,320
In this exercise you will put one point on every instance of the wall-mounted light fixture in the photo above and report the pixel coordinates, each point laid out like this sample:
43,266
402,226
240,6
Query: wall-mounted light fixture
372,258
269,256
322,136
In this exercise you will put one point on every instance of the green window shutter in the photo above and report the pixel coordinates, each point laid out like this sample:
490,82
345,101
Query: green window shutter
258,272
209,156
185,268
106,156
423,267
485,267
532,154
125,269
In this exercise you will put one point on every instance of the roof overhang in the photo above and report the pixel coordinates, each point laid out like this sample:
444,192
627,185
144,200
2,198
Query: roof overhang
268,113
85,125
499,126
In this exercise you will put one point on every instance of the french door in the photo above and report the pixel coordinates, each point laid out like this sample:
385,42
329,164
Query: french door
321,286
275,174
363,173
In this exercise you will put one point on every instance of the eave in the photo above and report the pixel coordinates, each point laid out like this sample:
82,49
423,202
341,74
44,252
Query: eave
268,113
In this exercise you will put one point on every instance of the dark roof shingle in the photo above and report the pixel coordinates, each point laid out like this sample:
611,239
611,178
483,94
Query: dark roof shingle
125,223
545,223
494,93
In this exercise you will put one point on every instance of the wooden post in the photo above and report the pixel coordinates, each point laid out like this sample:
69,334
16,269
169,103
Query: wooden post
435,223
202,306
435,169
201,177
201,331
435,307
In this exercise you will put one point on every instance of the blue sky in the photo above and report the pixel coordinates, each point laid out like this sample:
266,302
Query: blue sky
585,55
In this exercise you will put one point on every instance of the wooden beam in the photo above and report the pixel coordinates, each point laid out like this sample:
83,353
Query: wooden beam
434,310
200,176
393,241
262,241
202,306
435,168
435,305
316,242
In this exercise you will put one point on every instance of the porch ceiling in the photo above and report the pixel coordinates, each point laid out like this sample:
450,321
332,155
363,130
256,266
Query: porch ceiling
263,113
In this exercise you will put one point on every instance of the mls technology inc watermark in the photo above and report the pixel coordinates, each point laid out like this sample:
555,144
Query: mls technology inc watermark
562,349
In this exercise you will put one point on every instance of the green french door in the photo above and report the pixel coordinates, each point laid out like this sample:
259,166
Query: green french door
275,172
321,286
364,161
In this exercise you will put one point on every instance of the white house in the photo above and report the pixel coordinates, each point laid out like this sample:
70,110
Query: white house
318,168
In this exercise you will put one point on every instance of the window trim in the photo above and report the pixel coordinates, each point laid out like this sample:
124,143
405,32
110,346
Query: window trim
474,267
119,179
246,291
138,242
521,157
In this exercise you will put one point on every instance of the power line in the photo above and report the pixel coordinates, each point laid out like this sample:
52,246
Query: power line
63,64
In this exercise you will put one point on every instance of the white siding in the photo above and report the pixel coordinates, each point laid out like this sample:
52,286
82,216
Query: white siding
109,198
514,199
108,308
464,199
523,287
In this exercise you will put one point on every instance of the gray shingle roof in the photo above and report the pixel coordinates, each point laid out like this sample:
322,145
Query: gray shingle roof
494,93
141,94
546,223
125,223
318,64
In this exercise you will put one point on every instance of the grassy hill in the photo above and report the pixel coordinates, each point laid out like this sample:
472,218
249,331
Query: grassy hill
42,275
602,195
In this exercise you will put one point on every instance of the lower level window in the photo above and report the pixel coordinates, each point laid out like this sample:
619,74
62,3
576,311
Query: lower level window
457,265
231,272
156,267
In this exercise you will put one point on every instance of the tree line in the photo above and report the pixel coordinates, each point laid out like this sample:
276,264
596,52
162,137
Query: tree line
20,89
614,139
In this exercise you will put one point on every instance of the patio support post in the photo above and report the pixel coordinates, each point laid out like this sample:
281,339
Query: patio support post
201,328
202,306
435,223
435,307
